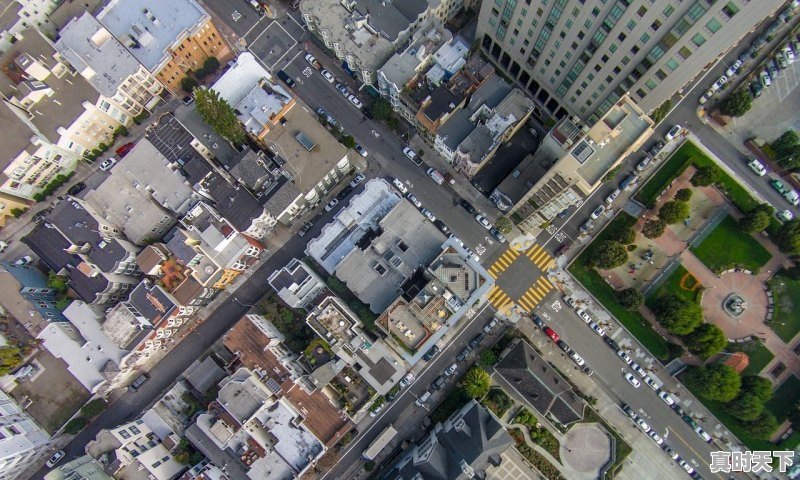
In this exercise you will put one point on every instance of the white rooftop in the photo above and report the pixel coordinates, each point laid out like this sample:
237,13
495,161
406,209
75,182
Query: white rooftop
82,344
149,28
296,445
240,78
262,103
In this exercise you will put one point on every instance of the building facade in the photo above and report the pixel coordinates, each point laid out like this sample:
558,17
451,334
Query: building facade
580,59
21,439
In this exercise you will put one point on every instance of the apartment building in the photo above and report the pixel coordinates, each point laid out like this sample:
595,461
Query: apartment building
580,59
20,15
21,439
297,284
168,38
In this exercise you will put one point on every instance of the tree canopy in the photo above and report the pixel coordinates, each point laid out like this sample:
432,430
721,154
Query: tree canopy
674,212
763,426
757,219
654,228
715,382
706,340
219,115
476,382
503,224
630,298
787,238
609,254
683,195
10,358
380,109
737,103
705,176
787,150
625,236
678,315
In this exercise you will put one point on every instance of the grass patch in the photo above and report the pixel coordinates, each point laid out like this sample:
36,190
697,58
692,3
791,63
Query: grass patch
680,283
690,154
782,402
605,294
451,403
757,353
785,320
538,433
537,460
621,448
728,247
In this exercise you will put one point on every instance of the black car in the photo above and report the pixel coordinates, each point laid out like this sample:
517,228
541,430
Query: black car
344,193
438,383
441,226
467,206
138,382
464,354
611,343
538,321
588,371
563,346
656,148
430,353
476,340
286,78
77,188
391,395
304,229
677,408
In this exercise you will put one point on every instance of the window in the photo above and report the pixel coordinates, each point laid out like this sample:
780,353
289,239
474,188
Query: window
660,74
612,48
604,58
621,37
642,10
595,11
730,9
699,40
651,84
713,25
672,64
617,70
631,25
655,25
634,49
685,53
669,10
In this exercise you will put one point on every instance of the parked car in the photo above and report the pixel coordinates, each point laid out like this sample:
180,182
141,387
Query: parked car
467,206
731,71
289,81
611,343
422,399
577,359
551,333
642,424
328,76
792,197
499,236
643,164
612,196
655,149
671,453
436,176
304,229
3,246
756,88
442,226
313,61
632,380
357,179
597,329
428,214
588,370
55,458
563,346
785,215
702,434
624,356
106,164
476,340
355,101
123,150
666,398
188,100
138,382
361,150
483,221
583,315
778,186
569,301
598,211
537,321
651,383
331,204
376,410
688,468
438,383
586,226
414,200
406,380
757,167
656,437
411,156
399,185
706,97
673,132
76,189
450,370
489,326
24,261
430,353
344,193
343,90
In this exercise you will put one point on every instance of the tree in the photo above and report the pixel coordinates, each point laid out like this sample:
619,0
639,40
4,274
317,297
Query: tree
17,212
57,282
504,225
674,212
683,195
715,382
380,109
476,382
654,228
706,340
488,358
787,238
763,426
630,298
662,111
612,173
786,144
737,103
758,386
705,176
218,113
678,315
348,141
609,254
625,236
211,64
188,84
757,219
794,415
369,466
10,358
75,426
746,406
94,407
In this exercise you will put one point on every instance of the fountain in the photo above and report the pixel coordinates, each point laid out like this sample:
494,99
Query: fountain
734,305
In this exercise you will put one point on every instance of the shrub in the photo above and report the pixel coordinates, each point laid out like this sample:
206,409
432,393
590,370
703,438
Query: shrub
787,238
717,382
678,315
674,212
121,131
503,224
348,141
705,176
609,254
683,195
488,358
662,111
94,407
16,212
737,103
654,228
75,425
630,299
757,219
188,84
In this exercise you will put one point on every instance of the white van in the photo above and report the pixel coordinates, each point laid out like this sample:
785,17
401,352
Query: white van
436,176
702,433
399,185
423,398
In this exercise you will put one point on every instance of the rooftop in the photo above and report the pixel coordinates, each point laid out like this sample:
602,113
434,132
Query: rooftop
535,165
249,342
443,102
255,171
403,66
150,302
241,395
202,374
150,28
122,327
404,242
177,145
236,204
539,384
306,167
320,416
295,445
507,159
456,129
239,78
263,106
96,54
205,136
452,55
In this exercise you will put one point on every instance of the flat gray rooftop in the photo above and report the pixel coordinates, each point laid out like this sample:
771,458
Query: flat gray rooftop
631,127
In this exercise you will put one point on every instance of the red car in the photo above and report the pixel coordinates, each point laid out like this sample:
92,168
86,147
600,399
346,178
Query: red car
123,150
551,333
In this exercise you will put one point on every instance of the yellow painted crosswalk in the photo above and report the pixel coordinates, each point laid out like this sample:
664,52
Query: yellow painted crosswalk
502,263
535,294
498,298
539,256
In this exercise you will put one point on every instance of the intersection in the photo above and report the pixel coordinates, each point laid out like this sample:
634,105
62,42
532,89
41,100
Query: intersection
520,278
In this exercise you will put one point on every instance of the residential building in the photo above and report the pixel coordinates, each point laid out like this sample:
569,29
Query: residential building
156,261
448,60
363,34
168,38
435,109
93,51
138,446
25,287
10,204
83,468
21,15
237,205
21,439
580,60
335,323
464,446
522,370
570,164
143,195
296,284
91,357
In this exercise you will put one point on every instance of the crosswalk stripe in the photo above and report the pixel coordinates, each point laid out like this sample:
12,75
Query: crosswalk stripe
524,304
505,303
534,248
546,282
495,295
539,257
550,263
535,295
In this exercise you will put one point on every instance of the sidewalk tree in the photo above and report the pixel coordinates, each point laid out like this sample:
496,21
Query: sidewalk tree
10,358
717,382
75,425
380,109
630,299
737,103
706,340
94,407
476,382
678,315
683,195
787,238
757,219
188,84
654,228
786,144
705,176
673,212
662,111
218,113
609,254
504,225
348,141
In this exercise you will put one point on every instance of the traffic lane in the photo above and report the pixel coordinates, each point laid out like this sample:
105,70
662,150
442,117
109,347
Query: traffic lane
608,372
225,9
403,406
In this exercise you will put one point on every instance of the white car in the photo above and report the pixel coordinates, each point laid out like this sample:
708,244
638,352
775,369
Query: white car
361,150
357,179
414,200
428,214
632,380
453,236
55,458
107,164
731,71
577,359
406,381
672,453
666,398
399,185
643,425
343,89
585,316
792,197
643,164
656,438
355,101
757,167
310,58
597,329
612,196
375,411
686,467
327,76
722,80
598,211
706,96
764,76
788,53
673,132
484,223
3,245
639,370
624,356
569,301
651,383
785,215
409,153
331,204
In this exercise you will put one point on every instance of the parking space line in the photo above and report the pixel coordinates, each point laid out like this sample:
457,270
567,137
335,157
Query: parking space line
251,29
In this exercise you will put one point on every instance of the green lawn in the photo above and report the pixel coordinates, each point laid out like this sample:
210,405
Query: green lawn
688,287
604,293
728,247
687,155
782,400
786,317
757,353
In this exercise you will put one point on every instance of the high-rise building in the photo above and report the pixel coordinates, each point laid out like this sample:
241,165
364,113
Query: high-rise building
580,57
